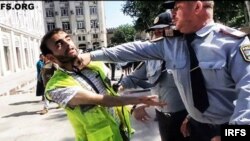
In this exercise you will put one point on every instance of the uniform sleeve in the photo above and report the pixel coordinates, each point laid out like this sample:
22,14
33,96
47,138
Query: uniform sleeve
132,80
63,95
133,51
240,71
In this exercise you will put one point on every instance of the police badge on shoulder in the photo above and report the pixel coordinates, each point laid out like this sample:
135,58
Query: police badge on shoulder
245,51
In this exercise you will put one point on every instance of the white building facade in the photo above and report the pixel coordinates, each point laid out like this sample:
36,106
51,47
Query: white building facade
83,20
21,30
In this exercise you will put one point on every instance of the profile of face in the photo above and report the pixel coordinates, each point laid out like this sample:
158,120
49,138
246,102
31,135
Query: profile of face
41,57
183,14
62,47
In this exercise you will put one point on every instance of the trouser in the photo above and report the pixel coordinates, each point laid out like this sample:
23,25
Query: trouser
112,70
46,103
169,125
203,131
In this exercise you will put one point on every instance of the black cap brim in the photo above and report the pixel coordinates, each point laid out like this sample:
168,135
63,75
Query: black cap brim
168,4
157,27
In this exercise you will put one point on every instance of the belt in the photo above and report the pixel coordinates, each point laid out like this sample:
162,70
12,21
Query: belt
169,114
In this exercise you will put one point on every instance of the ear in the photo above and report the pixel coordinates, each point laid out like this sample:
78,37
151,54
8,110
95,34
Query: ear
51,58
198,6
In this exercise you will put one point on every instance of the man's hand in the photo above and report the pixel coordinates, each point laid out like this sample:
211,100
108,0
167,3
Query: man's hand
152,100
140,113
216,138
121,89
185,128
82,60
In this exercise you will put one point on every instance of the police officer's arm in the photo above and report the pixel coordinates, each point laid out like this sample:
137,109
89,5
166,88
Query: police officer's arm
87,97
133,51
240,71
138,75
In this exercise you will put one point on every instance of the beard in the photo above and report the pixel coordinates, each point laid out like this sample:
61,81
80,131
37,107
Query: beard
66,58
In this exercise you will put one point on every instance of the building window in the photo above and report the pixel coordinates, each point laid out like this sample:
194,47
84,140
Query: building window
66,25
49,12
95,35
18,55
79,11
50,26
79,38
83,47
27,57
94,24
64,11
7,57
93,10
80,25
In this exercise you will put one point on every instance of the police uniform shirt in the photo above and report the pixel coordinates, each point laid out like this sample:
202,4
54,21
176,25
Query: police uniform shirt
224,66
164,88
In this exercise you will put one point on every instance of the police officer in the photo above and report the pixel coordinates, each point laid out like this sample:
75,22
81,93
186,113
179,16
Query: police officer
223,59
169,117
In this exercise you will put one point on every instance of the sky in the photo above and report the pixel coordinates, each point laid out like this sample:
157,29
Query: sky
114,15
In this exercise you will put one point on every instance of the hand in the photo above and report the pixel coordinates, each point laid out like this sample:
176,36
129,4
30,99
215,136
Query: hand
121,88
82,60
216,138
185,128
152,100
140,113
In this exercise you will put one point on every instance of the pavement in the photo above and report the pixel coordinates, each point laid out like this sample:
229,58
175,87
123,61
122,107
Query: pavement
20,122
17,82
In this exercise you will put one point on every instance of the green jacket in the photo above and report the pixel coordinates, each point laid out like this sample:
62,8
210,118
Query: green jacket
96,124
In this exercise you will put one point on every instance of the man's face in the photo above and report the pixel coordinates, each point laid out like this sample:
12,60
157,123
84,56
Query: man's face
63,48
183,13
158,32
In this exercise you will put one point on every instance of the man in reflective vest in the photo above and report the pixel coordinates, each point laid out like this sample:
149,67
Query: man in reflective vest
86,94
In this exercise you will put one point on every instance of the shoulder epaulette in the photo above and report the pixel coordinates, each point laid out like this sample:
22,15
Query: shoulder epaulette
157,39
233,32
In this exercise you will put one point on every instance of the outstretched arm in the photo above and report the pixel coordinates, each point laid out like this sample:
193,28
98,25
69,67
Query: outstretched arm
133,51
73,97
88,97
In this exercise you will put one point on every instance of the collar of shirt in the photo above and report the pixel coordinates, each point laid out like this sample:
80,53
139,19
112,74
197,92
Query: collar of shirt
205,30
66,71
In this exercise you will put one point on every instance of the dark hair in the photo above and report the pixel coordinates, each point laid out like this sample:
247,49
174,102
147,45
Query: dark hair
43,47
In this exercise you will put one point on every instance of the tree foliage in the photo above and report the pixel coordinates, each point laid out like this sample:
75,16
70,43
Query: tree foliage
230,13
124,33
144,11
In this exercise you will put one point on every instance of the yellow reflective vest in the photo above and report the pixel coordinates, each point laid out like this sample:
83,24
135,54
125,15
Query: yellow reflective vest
95,124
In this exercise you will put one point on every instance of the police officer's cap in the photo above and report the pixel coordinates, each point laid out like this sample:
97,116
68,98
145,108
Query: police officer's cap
169,4
161,21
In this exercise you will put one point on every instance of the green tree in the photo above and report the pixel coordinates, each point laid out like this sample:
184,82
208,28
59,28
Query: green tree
144,11
124,33
230,13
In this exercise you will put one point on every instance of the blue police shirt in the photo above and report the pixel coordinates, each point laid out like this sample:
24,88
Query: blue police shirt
225,68
164,87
